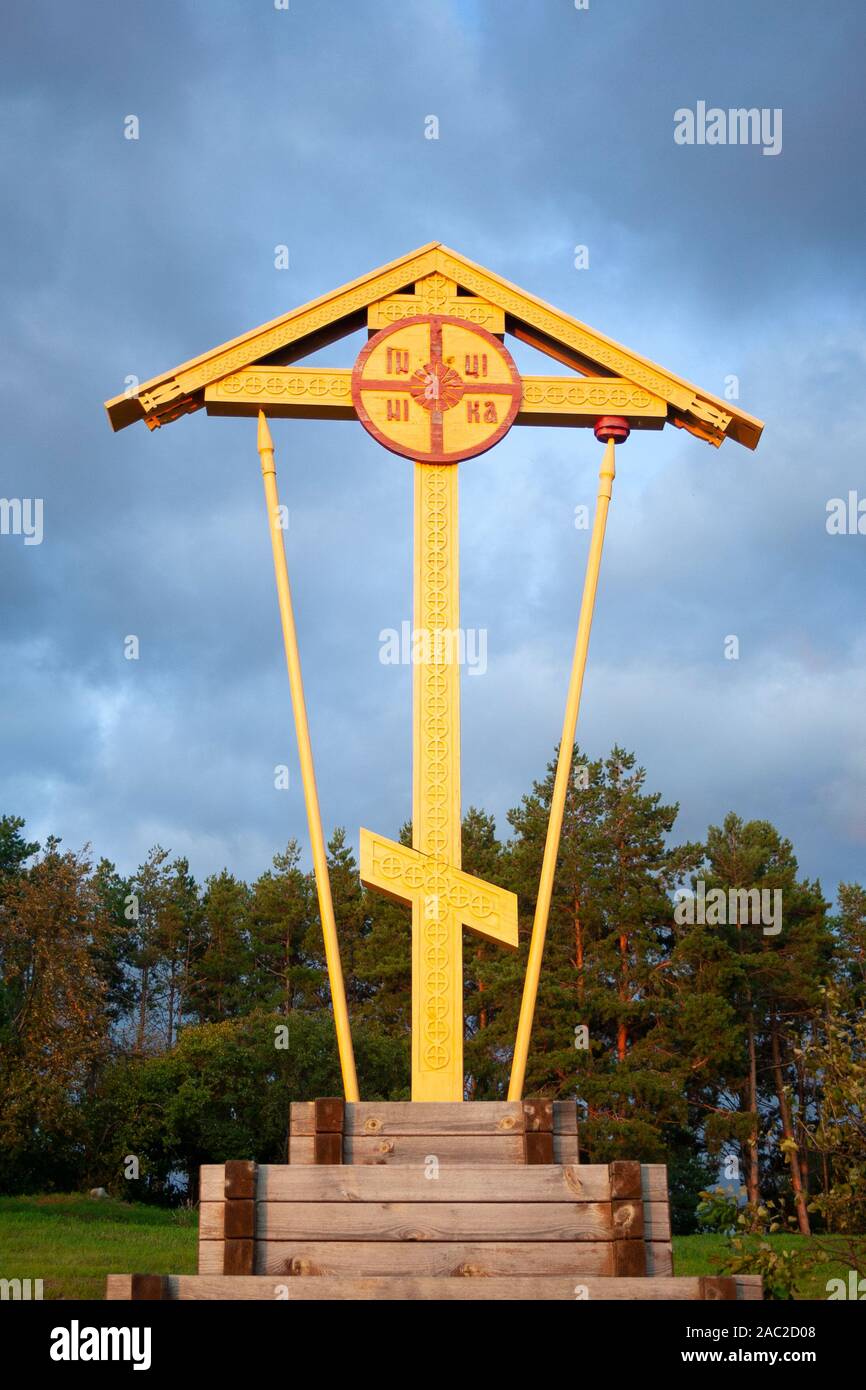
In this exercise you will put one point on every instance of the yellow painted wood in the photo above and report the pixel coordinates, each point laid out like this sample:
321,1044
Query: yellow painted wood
163,398
305,757
436,389
231,379
428,876
317,393
563,773
304,393
702,413
436,294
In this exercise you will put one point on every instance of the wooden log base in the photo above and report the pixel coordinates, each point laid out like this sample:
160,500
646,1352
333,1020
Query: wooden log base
570,1288
406,1200
434,1218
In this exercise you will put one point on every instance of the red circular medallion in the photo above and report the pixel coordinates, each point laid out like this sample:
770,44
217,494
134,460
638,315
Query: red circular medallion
436,389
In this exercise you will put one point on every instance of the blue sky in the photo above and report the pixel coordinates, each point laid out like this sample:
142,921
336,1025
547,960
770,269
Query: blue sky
261,127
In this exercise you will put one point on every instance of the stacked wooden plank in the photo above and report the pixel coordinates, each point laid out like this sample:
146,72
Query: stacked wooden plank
421,1220
562,1288
400,1132
409,1201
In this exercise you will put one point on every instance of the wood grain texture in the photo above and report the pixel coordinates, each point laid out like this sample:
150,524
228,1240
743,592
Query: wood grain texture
328,1148
211,1225
373,1118
462,1150
280,1182
240,1220
356,1183
750,1286
433,1258
148,1288
654,1182
239,1256
397,1221
537,1148
714,1290
328,1114
659,1258
625,1180
627,1220
240,1179
629,1258
119,1286
421,1289
538,1115
656,1221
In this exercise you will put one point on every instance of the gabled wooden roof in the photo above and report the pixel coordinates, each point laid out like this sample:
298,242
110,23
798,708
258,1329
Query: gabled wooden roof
342,311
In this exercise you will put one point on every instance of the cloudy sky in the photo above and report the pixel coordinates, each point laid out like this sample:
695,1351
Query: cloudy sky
305,127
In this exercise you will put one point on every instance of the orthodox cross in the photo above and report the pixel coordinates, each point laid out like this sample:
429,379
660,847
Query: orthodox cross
435,384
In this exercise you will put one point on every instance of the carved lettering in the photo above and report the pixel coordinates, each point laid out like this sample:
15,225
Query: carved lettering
398,360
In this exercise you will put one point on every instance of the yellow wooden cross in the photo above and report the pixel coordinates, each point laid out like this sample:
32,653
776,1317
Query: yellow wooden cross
435,384
444,899
437,388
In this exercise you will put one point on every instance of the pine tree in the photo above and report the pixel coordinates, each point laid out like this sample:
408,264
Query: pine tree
351,910
114,952
384,961
177,939
286,973
223,957
773,978
150,894
596,1019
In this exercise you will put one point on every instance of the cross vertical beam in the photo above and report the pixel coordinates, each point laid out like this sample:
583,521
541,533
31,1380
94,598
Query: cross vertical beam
436,672
437,963
428,876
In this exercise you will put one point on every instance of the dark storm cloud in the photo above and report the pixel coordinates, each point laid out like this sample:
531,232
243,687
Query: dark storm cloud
261,127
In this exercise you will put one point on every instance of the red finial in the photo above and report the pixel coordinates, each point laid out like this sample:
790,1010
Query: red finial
612,427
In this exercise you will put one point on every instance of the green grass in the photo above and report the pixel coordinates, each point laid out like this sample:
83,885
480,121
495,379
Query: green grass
704,1254
71,1242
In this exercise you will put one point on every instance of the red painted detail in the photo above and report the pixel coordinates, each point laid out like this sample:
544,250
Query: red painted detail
449,385
612,427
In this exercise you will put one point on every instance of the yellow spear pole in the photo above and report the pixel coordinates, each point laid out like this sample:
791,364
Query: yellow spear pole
308,775
608,429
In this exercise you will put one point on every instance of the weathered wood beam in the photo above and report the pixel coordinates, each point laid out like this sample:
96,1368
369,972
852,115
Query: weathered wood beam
547,1182
269,1287
396,1221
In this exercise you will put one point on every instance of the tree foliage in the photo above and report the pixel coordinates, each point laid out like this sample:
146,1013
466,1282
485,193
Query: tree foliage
173,1021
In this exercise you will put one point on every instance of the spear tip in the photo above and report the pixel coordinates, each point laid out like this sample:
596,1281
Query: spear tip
264,439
